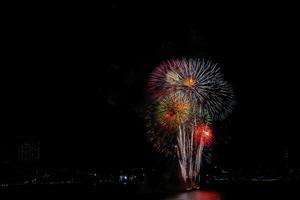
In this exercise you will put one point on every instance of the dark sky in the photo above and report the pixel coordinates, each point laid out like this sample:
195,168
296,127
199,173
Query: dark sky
76,75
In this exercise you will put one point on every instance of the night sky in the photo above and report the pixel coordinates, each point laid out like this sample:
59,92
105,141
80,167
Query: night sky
76,77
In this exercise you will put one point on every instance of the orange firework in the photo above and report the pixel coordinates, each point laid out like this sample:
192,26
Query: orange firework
190,83
173,111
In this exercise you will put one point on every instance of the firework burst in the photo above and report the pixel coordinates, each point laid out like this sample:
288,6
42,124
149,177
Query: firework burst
173,111
188,95
199,80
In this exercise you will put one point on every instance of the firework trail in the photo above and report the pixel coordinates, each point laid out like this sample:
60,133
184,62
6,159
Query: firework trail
188,95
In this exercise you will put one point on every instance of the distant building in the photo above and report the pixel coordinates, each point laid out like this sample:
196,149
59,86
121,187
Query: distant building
20,149
286,159
4,153
27,149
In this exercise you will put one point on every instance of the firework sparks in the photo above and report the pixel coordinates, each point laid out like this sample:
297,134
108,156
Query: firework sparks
173,111
203,132
188,95
199,80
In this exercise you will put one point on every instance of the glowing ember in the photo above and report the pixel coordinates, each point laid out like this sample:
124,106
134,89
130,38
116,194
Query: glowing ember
189,82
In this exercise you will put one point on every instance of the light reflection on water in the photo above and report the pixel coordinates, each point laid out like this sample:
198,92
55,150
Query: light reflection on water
196,195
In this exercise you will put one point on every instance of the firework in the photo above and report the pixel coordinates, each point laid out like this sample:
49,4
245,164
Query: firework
201,81
173,111
163,140
203,132
163,80
188,95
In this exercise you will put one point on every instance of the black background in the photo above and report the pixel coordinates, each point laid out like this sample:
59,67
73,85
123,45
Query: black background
75,76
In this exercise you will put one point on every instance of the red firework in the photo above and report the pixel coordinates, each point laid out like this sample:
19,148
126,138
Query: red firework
203,132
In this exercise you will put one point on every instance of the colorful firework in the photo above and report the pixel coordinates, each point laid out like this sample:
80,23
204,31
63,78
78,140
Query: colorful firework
199,80
163,80
163,140
173,111
189,95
